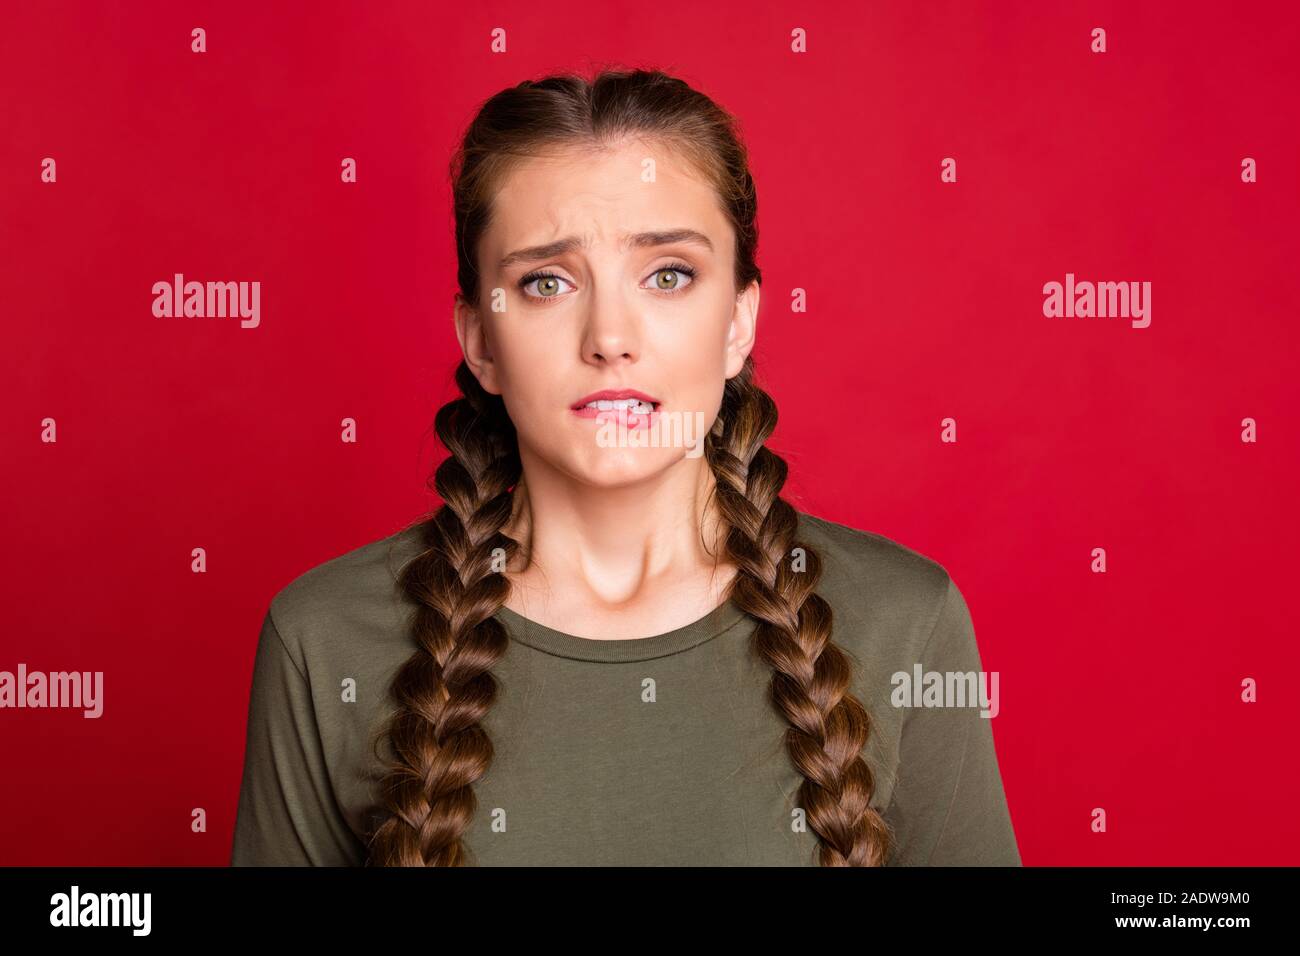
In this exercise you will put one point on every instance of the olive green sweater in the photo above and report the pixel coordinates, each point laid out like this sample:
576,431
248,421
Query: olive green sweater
663,750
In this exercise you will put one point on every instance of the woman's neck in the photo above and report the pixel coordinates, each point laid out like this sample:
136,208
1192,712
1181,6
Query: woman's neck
625,561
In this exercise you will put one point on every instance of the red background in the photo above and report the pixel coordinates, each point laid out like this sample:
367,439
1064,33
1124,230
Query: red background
1120,690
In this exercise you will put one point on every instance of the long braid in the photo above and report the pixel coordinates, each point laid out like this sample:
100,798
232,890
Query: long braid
444,689
810,674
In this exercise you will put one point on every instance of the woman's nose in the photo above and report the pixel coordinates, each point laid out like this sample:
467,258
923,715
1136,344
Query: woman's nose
612,331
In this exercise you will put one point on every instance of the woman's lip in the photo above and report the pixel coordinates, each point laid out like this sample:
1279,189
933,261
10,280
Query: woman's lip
615,395
621,415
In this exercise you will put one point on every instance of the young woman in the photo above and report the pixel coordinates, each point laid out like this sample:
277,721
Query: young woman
608,648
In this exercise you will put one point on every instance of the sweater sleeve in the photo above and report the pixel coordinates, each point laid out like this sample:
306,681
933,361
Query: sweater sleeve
948,807
287,814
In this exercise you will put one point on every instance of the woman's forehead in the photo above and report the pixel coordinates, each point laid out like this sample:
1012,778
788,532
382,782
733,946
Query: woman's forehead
600,198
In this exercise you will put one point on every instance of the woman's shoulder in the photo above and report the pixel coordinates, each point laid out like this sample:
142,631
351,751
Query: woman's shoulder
331,605
889,593
855,556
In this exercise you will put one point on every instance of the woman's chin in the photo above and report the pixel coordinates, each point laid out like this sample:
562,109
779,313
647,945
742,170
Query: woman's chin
621,467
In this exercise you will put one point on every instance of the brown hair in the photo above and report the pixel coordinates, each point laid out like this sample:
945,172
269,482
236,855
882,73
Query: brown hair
446,687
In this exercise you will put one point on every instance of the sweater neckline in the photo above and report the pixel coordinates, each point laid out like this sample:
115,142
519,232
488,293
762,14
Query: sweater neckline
526,631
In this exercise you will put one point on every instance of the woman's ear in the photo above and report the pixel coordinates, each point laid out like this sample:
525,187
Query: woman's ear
743,330
474,344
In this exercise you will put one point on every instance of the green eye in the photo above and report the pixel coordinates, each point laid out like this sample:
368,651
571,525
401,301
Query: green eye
548,285
669,278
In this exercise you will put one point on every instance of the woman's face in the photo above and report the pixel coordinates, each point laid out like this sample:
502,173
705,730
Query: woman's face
604,270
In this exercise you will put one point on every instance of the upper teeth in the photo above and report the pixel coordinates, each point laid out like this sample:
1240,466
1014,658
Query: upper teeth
631,404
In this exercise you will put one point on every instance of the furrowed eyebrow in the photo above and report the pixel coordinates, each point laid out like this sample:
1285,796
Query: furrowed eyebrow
668,237
640,240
